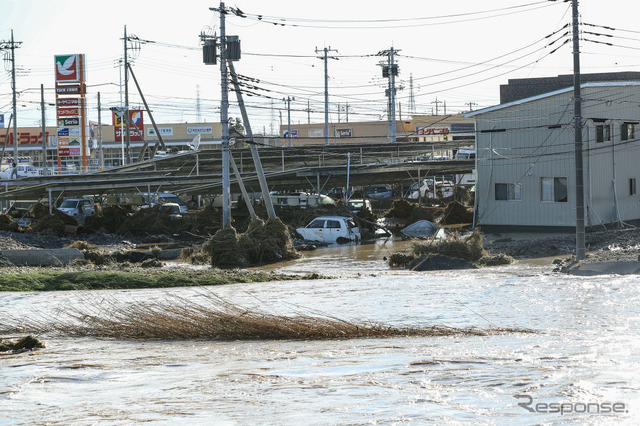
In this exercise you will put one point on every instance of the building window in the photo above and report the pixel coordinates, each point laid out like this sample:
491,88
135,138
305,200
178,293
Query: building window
509,191
632,186
553,189
603,133
627,131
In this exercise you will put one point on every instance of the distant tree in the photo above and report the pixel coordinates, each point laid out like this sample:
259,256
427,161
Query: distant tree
236,124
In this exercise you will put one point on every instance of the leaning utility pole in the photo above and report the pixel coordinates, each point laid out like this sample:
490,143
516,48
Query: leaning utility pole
326,92
580,237
266,196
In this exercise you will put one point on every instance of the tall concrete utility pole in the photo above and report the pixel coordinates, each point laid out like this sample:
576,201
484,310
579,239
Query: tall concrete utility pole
11,45
44,132
125,117
390,71
326,92
224,120
393,71
580,237
100,133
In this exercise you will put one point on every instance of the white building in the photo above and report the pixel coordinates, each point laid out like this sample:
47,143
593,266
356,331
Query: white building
525,158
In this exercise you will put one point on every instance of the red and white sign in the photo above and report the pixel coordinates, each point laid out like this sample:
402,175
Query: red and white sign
136,125
67,112
69,68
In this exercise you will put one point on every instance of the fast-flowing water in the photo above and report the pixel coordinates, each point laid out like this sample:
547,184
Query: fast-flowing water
585,355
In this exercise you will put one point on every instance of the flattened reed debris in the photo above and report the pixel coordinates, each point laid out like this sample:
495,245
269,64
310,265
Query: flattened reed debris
214,318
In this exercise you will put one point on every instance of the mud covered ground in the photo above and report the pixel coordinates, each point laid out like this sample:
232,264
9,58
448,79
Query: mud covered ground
613,245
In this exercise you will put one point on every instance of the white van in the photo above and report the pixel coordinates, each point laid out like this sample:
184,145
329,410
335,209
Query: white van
328,229
24,170
77,208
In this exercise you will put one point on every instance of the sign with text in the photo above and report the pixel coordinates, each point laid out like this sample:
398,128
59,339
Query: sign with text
74,121
164,131
136,125
344,133
429,131
199,130
67,112
68,102
24,138
68,131
71,89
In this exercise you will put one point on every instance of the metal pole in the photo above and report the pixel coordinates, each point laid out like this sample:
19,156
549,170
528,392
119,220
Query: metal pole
346,192
44,132
247,201
289,120
126,99
392,98
224,120
266,197
326,98
15,115
580,237
146,106
100,133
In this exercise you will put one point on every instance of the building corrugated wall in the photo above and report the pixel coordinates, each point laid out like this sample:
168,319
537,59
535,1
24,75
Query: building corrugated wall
522,144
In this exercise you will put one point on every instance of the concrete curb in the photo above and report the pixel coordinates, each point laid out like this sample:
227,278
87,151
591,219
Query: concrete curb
42,257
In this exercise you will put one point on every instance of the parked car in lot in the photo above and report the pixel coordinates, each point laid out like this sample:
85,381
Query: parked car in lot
300,200
330,229
430,188
378,191
357,205
172,209
78,208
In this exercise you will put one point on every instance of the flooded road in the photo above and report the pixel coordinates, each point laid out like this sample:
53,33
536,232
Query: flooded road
585,355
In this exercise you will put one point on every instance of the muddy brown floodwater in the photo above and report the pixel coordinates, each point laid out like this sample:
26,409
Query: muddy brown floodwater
584,356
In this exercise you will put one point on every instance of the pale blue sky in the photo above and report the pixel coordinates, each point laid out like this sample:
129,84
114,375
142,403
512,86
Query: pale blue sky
460,58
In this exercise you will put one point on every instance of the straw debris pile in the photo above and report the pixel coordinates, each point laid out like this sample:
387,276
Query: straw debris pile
56,223
469,248
263,242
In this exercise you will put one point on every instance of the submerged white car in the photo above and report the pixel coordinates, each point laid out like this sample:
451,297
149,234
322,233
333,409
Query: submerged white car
330,229
78,208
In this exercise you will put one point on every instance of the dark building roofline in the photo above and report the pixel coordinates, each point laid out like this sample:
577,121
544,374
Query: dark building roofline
522,88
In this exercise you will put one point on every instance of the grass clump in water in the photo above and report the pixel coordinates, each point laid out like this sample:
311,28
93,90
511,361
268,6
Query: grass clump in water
211,317
469,248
